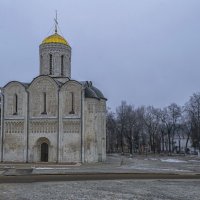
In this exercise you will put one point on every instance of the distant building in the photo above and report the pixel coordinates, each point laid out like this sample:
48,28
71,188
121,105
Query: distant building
53,118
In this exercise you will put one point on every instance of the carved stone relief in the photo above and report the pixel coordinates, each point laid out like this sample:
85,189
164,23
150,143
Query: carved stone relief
44,126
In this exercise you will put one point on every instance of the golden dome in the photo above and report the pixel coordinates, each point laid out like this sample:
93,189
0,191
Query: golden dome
55,38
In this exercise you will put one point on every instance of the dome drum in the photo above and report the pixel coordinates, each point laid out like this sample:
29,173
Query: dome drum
55,57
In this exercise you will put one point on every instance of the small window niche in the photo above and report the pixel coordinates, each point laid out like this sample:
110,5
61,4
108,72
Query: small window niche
41,60
50,64
44,103
15,104
72,104
62,65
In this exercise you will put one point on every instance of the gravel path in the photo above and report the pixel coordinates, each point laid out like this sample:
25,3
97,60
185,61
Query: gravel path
104,190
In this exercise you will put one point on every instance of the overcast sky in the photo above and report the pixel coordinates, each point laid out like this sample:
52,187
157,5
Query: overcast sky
146,52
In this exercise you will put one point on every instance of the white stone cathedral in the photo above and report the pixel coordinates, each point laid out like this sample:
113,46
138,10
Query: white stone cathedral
53,118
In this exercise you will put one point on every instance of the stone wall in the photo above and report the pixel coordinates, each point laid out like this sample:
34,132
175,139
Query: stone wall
14,141
12,89
95,130
41,131
70,122
71,141
40,86
56,50
73,126
15,126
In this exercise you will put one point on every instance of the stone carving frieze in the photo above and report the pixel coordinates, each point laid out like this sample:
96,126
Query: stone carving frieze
14,127
43,126
71,126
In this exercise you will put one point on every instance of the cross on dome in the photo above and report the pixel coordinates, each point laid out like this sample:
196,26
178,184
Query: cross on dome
56,23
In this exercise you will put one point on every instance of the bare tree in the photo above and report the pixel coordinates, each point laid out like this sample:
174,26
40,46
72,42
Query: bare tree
170,116
130,121
134,127
152,122
121,123
192,108
111,133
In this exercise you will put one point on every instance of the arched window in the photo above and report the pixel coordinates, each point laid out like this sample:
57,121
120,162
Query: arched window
44,103
41,60
62,65
15,104
50,65
0,108
72,103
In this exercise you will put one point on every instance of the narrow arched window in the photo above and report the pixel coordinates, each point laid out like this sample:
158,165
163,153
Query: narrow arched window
44,103
72,103
41,59
15,104
0,108
50,65
62,65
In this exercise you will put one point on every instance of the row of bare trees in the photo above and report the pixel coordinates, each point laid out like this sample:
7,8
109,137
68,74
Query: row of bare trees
143,129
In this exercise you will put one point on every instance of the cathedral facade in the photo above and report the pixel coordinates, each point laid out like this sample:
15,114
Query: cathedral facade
53,118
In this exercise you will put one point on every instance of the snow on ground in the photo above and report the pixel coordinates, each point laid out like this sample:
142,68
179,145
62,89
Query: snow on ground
173,160
160,164
194,160
151,159
150,169
49,168
118,163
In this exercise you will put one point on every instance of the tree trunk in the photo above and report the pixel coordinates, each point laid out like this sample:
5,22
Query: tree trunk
122,143
186,144
169,143
163,142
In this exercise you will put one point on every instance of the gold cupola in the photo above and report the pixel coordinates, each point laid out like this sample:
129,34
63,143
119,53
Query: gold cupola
55,38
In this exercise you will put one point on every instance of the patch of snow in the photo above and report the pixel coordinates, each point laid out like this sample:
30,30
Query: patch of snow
153,159
173,160
48,168
8,167
154,169
194,160
176,170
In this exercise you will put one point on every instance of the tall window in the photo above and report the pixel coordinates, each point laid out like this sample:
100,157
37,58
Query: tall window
50,65
44,103
41,60
72,103
15,104
62,65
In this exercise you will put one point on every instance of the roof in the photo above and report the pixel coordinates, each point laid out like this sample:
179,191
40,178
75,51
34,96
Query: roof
55,38
91,91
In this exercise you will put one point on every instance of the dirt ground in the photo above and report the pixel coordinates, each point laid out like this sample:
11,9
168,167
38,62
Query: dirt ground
157,189
104,190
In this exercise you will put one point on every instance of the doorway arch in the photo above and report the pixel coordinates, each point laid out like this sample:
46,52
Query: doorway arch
43,149
44,152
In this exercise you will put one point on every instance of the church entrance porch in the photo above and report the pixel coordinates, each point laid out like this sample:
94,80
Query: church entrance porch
44,152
